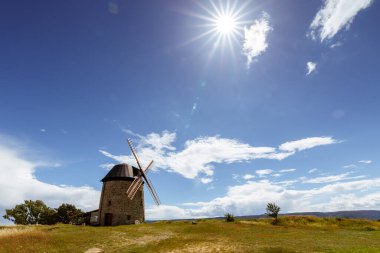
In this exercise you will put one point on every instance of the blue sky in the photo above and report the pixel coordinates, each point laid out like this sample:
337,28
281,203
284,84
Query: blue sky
280,104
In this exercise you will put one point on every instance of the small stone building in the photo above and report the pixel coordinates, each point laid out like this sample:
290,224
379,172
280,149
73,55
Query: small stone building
115,207
92,217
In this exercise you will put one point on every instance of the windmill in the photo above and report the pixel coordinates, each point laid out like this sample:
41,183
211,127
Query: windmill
138,182
115,208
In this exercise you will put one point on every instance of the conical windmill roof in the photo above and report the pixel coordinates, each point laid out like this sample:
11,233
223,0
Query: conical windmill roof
121,172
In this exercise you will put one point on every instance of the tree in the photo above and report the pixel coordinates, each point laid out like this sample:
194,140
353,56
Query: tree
69,214
31,212
229,217
272,210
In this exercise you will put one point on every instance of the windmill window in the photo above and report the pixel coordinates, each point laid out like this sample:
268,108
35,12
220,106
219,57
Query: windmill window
109,202
128,217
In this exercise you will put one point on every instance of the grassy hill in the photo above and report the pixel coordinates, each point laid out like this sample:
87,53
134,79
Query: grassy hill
290,234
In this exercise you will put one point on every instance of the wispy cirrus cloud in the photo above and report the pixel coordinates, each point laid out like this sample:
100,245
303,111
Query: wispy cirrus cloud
287,170
255,38
199,156
337,44
349,166
329,179
313,170
334,16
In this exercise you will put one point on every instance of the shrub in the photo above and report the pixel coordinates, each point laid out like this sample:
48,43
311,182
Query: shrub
369,228
69,214
229,217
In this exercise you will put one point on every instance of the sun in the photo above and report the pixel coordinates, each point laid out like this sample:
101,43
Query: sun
226,24
220,24
223,21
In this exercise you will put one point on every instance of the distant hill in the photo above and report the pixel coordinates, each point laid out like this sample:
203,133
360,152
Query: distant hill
359,214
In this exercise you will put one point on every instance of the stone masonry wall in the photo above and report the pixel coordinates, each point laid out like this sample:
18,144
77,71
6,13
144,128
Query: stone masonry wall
114,200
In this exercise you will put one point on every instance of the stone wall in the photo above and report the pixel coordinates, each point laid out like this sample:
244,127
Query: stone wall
114,201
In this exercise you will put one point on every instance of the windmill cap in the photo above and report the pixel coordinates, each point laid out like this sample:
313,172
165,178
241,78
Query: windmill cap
121,172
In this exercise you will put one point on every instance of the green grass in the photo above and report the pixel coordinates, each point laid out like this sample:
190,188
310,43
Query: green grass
291,234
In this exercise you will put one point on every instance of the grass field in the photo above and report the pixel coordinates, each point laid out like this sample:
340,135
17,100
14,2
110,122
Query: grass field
291,234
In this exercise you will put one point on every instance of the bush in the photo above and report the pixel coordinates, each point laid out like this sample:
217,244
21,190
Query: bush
69,214
229,217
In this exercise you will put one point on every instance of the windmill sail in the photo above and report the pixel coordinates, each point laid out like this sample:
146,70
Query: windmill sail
133,188
134,153
136,184
154,192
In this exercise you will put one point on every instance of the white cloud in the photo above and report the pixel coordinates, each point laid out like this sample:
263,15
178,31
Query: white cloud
248,176
311,67
206,180
194,108
329,179
43,130
287,170
286,183
107,166
313,170
337,44
255,38
335,15
349,166
264,172
236,177
18,182
252,197
130,132
365,161
306,143
198,157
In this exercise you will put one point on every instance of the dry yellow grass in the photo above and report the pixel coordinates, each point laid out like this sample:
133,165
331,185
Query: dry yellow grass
292,234
13,231
22,239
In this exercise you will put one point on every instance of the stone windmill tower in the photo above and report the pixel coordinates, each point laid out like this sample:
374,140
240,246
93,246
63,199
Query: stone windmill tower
122,198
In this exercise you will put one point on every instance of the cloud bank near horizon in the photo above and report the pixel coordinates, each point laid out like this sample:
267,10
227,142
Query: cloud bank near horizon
251,197
18,182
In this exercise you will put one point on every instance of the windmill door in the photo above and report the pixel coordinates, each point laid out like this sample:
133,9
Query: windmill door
108,219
